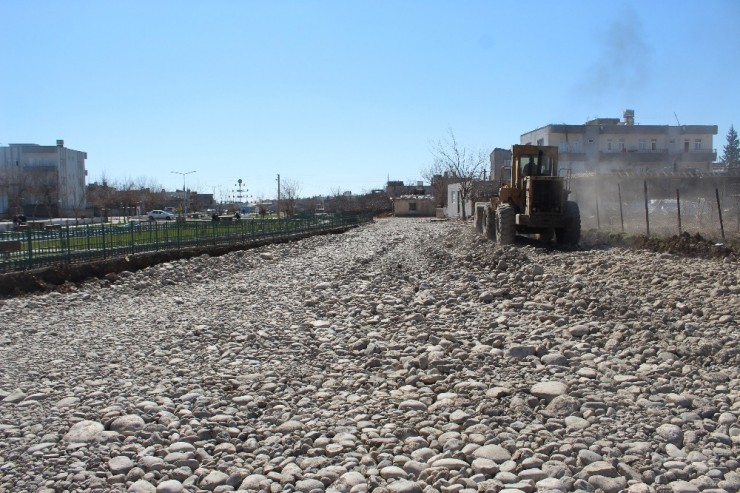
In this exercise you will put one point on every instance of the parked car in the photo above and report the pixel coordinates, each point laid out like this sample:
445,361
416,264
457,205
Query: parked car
157,214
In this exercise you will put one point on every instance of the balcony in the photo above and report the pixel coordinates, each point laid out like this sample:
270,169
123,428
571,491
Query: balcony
657,156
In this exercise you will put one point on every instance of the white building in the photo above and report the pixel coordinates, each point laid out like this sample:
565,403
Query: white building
608,144
455,204
481,190
32,174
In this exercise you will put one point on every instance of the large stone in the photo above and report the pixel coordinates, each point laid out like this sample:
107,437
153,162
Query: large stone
254,482
598,468
485,466
348,480
548,390
608,484
404,486
213,480
576,423
449,463
141,486
579,330
120,464
412,405
290,427
563,405
84,432
671,434
496,453
393,472
308,485
554,359
14,397
683,487
533,474
129,424
170,486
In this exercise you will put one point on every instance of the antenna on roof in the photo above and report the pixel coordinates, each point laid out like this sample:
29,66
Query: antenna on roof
674,114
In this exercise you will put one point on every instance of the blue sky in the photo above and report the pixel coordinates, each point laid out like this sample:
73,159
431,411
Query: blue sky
341,95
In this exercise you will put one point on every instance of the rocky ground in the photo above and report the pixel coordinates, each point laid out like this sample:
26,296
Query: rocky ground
403,356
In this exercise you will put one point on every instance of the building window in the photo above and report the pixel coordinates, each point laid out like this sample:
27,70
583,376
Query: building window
609,145
620,145
541,142
576,146
453,197
563,147
412,206
643,145
697,145
686,145
653,145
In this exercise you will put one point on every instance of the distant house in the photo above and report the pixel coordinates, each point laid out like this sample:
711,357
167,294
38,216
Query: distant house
482,190
414,206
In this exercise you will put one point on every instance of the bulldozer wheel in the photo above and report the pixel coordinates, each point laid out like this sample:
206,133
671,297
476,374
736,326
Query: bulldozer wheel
505,224
489,224
480,219
571,233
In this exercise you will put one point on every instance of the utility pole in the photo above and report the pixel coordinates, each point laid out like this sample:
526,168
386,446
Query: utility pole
278,200
184,192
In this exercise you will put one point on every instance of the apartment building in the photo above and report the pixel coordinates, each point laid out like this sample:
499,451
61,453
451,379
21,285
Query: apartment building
500,160
605,145
38,175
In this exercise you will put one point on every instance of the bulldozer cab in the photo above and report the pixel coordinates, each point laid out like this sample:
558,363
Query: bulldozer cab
530,164
529,160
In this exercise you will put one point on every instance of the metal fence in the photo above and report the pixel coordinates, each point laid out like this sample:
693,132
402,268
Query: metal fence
636,208
65,245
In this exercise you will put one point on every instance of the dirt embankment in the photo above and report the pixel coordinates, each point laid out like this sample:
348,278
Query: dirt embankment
685,244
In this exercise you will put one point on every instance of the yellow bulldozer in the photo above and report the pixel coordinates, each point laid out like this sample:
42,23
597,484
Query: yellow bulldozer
532,200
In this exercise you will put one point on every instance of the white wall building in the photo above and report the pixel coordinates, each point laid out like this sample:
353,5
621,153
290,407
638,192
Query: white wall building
608,144
37,174
455,203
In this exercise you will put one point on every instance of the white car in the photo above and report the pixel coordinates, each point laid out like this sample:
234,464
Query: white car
157,214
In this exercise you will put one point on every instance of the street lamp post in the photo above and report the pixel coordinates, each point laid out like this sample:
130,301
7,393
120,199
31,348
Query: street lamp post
278,198
184,192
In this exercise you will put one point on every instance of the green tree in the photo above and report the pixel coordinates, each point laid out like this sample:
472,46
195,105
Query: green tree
731,151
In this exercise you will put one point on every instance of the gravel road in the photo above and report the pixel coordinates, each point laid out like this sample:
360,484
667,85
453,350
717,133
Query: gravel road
403,356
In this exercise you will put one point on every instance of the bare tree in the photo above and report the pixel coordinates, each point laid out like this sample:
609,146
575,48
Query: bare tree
289,190
463,165
78,202
375,201
102,195
337,201
17,187
47,191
